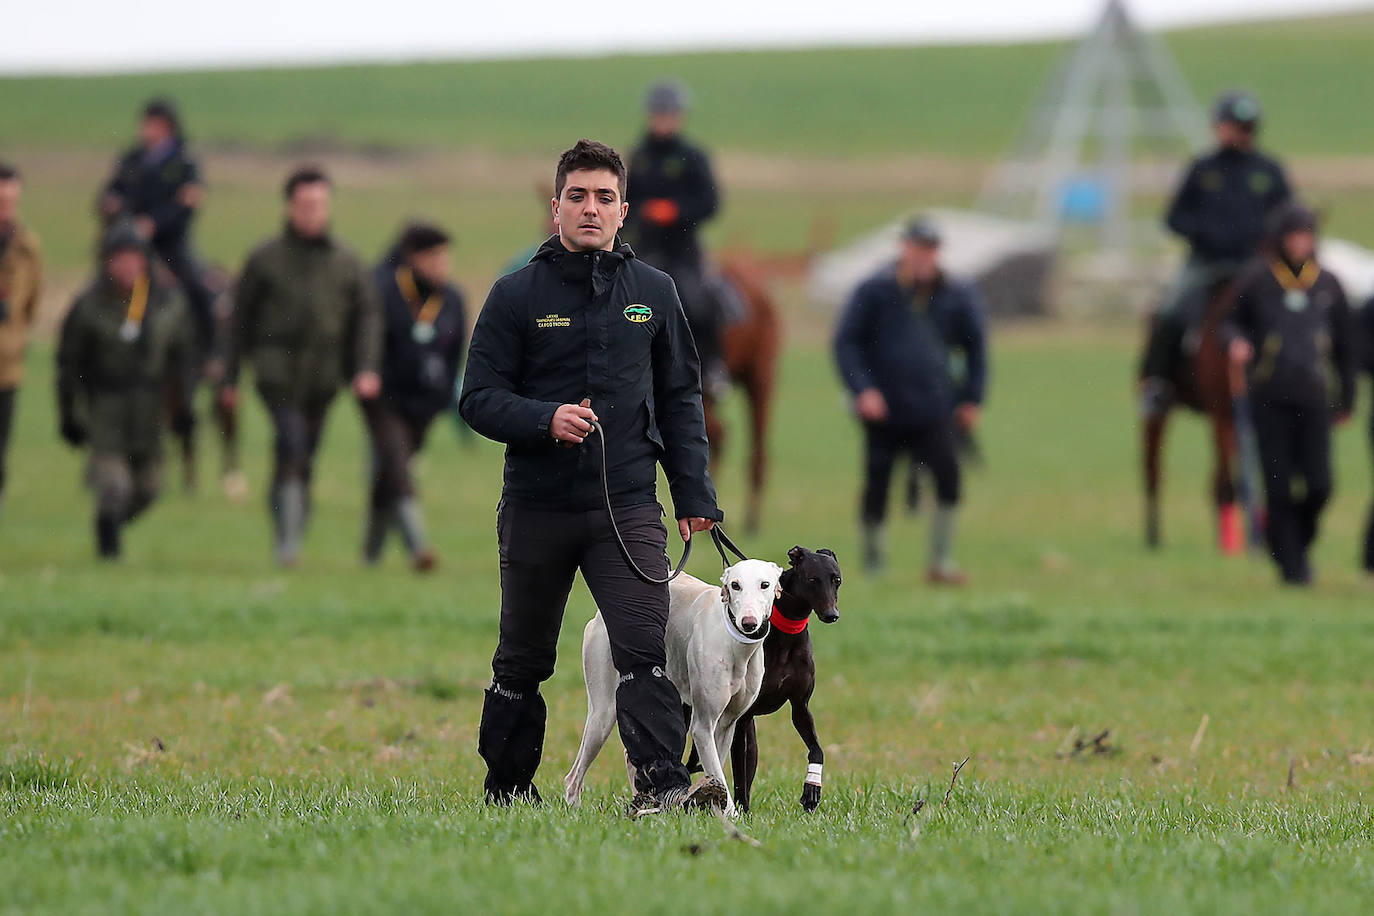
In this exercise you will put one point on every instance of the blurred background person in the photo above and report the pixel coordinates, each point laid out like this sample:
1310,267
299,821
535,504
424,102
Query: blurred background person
157,183
121,352
1220,209
672,193
549,229
306,316
423,325
1365,321
893,347
21,282
1291,328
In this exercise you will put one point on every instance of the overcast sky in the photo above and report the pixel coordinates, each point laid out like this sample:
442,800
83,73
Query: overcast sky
99,35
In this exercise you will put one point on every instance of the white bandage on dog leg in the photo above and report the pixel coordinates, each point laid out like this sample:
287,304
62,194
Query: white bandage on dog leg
813,774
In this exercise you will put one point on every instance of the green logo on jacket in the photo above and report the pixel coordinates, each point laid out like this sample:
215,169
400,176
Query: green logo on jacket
638,313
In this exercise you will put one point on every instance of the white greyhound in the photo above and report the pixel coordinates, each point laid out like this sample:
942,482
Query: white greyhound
714,646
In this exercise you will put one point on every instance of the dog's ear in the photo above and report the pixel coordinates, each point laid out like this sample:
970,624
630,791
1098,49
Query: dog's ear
794,556
777,580
724,596
826,551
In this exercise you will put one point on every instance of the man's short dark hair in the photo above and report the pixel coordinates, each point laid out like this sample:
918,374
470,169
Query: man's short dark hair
8,172
164,109
588,155
417,237
303,175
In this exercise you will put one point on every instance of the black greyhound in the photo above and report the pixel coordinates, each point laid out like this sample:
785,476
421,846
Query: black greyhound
811,582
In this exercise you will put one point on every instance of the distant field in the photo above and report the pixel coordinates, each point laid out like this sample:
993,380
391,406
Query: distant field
969,100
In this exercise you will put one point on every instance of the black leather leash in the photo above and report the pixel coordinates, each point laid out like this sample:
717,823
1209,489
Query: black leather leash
718,535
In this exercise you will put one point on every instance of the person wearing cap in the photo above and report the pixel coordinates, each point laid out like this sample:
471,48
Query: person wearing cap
894,345
1290,327
157,184
424,326
673,194
21,282
306,315
120,354
1220,210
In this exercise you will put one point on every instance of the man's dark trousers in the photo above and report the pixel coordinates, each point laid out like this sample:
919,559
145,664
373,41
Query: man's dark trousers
1293,443
541,551
7,399
933,446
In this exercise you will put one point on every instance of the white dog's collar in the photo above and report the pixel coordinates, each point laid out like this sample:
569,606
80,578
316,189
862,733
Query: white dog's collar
736,633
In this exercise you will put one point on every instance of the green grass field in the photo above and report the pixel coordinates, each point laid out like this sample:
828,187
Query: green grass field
197,731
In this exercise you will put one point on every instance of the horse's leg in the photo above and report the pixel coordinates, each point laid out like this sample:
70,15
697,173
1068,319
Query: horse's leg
1230,531
759,389
715,432
1153,451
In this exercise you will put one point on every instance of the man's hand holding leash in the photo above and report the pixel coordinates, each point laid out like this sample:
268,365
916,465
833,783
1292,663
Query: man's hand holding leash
572,423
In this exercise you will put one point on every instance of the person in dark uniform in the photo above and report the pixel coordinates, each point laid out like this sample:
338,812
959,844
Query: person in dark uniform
588,333
1220,209
893,347
158,185
675,194
1291,327
1364,320
21,283
121,350
423,326
306,314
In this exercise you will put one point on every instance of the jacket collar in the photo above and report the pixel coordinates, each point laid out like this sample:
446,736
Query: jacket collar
595,268
295,238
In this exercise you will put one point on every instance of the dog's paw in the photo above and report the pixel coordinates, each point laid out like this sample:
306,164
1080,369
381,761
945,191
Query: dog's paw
810,797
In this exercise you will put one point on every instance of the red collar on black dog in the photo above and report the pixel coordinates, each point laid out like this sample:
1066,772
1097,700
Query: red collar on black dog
787,624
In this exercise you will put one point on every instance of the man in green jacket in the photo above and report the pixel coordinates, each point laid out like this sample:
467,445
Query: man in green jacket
306,315
122,351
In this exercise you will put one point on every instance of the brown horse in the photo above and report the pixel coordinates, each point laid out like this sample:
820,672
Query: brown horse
1202,383
750,349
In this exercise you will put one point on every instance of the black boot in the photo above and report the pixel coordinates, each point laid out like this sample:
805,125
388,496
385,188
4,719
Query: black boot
107,537
648,712
510,739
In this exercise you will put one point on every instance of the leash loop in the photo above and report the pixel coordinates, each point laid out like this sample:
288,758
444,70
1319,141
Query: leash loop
610,513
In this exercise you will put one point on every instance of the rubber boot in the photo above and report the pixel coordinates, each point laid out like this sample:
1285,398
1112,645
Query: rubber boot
290,521
873,546
374,535
411,520
943,570
107,537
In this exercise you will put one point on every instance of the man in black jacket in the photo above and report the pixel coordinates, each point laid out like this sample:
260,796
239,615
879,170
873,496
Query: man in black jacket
1220,209
671,180
423,329
893,346
157,184
588,333
1291,325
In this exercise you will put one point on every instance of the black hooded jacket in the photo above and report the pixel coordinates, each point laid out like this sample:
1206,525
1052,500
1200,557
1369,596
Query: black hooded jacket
153,188
1305,342
419,372
672,169
1221,205
601,325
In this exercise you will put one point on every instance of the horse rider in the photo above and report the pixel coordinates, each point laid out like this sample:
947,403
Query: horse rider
1220,209
306,314
121,351
893,346
1290,327
21,282
424,327
158,185
674,194
588,333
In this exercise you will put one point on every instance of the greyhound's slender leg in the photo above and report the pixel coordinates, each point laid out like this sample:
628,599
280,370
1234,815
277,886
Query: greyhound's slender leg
693,759
744,760
805,725
703,736
600,675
